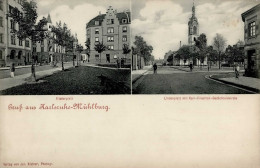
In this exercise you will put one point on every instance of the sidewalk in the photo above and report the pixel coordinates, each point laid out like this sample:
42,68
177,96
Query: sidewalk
205,69
252,84
7,83
137,74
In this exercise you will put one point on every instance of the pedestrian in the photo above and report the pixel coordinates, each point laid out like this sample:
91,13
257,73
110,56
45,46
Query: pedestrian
237,71
117,62
12,70
155,68
191,66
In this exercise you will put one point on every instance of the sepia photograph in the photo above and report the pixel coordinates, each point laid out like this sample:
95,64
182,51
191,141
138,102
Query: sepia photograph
65,47
195,47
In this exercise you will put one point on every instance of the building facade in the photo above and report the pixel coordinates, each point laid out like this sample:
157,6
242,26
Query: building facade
113,30
12,50
251,19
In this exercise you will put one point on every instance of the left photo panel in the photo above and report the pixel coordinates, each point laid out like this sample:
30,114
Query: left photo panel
65,47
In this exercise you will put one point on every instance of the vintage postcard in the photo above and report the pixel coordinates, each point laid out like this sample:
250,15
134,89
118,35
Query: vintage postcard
129,83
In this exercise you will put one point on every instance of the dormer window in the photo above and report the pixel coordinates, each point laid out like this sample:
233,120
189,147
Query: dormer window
97,23
124,20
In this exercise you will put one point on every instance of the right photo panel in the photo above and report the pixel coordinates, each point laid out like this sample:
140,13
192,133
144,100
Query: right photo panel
195,47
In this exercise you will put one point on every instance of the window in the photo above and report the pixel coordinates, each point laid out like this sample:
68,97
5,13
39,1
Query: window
124,20
34,49
97,31
27,43
1,5
97,23
96,39
42,42
110,21
97,57
13,40
124,29
12,25
252,29
110,30
110,38
42,49
20,54
110,47
124,38
1,38
194,30
10,9
20,42
1,54
1,21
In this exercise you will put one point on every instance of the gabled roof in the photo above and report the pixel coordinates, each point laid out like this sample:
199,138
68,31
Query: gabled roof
100,18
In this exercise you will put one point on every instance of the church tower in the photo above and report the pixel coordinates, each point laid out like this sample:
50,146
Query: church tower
193,27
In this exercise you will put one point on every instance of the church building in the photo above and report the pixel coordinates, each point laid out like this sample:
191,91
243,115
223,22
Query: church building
193,33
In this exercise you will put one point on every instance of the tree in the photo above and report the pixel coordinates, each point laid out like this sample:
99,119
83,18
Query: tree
234,54
79,49
212,55
219,44
28,28
142,48
100,47
126,49
87,44
62,37
170,59
201,44
184,53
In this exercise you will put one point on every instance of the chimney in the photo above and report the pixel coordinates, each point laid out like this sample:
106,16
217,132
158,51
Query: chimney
99,13
180,44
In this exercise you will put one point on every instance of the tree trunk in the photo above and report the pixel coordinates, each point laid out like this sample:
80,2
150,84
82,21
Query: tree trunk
219,60
62,63
33,77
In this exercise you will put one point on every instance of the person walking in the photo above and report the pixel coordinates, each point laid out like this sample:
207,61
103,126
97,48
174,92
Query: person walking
237,68
155,68
191,66
12,70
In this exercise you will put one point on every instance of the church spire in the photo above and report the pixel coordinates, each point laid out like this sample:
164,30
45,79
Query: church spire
49,19
193,9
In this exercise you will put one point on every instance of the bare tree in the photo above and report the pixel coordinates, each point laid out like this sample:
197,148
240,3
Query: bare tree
219,44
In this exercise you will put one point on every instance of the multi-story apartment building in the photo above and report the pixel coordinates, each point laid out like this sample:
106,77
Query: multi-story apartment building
12,50
113,30
47,51
251,19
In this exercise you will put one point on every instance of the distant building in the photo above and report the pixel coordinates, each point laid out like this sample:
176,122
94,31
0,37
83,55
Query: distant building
12,50
251,19
47,51
113,30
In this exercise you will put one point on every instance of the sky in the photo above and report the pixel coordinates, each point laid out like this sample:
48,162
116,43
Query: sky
162,23
77,13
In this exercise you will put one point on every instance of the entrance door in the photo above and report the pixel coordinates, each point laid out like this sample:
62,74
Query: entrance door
108,58
250,61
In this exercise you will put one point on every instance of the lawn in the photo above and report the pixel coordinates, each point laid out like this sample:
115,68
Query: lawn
78,81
